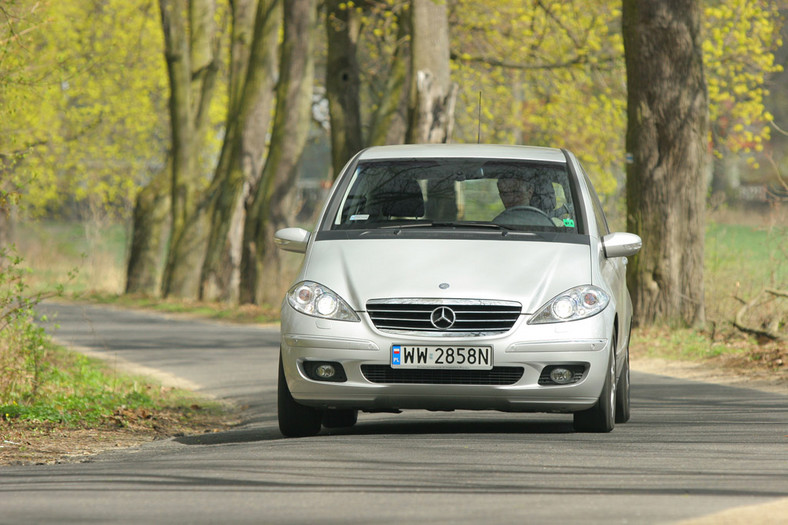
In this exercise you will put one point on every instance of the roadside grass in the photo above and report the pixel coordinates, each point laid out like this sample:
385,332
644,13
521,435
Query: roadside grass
745,253
74,390
742,260
71,406
54,402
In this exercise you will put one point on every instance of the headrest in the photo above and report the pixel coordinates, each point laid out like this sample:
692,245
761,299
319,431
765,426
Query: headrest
398,197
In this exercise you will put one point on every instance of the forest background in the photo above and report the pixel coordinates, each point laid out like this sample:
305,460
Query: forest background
86,119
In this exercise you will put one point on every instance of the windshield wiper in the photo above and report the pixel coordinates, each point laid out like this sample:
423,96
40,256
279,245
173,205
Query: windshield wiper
473,224
451,224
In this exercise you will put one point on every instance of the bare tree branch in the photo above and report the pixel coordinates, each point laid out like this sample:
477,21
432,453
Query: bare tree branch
576,61
777,173
768,333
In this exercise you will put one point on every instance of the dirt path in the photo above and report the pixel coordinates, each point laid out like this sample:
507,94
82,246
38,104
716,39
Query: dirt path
713,372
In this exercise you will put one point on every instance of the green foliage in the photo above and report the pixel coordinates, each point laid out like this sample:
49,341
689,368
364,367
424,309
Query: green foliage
22,341
42,383
83,87
683,344
84,103
740,37
553,73
79,391
549,73
75,390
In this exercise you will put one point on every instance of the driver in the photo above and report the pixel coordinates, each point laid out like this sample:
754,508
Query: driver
515,191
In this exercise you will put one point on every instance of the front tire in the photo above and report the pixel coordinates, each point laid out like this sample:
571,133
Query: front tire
295,419
602,416
622,393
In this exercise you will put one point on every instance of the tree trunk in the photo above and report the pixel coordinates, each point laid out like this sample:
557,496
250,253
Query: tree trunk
146,254
432,95
667,137
260,268
342,82
240,166
726,175
191,55
7,221
390,121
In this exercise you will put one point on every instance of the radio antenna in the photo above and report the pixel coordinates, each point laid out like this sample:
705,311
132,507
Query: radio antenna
479,121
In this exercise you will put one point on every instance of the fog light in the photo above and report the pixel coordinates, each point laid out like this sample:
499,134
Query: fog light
561,376
329,371
325,371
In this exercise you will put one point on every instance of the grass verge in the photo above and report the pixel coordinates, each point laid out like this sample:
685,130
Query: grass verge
80,406
724,357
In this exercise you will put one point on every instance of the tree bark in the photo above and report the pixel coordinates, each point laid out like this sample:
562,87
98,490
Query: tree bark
191,56
254,59
146,254
432,95
260,267
667,139
390,120
343,82
7,208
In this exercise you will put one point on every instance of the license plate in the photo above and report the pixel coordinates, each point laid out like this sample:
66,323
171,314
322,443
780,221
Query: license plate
457,357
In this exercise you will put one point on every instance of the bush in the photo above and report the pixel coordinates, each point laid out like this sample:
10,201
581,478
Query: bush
22,341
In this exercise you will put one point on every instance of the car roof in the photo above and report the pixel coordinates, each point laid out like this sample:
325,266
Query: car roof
484,151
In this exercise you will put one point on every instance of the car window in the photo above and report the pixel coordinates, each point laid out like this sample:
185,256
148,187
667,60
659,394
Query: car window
512,194
599,213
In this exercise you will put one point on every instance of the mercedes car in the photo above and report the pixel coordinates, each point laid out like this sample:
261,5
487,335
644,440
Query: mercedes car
457,277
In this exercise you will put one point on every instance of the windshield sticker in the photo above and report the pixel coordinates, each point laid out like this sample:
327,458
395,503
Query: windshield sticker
359,217
569,223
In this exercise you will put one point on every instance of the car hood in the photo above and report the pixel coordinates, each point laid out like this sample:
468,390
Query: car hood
529,272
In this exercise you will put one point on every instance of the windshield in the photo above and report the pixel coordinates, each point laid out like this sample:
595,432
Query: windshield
512,195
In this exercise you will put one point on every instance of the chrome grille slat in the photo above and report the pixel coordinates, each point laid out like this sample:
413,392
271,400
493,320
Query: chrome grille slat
472,316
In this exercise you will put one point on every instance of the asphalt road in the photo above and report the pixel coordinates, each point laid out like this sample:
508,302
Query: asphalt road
691,449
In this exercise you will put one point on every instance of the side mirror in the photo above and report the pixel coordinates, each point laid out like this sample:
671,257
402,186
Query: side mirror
292,239
621,244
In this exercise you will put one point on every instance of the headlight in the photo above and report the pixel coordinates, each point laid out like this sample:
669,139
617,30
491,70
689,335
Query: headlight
313,299
578,303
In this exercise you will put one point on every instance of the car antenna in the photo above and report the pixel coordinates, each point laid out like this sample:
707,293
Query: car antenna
479,121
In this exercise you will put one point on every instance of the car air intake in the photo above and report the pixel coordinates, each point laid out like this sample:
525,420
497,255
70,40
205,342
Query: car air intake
499,375
441,317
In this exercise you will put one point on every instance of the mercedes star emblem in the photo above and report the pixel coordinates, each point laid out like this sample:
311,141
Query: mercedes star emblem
443,318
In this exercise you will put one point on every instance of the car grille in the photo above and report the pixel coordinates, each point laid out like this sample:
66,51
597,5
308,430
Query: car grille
499,375
470,317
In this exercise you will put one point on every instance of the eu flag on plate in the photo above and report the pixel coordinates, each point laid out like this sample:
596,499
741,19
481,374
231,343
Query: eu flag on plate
395,355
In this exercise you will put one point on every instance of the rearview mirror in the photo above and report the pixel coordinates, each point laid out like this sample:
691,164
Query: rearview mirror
292,239
621,244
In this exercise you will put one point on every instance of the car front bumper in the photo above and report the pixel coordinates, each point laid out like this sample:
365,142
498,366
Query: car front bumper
530,347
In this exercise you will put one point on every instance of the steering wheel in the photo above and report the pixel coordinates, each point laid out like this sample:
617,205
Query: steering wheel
524,215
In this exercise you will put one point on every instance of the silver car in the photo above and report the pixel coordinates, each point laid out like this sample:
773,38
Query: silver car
457,277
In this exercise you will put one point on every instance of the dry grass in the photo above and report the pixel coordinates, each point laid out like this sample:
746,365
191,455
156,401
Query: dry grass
63,254
747,252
